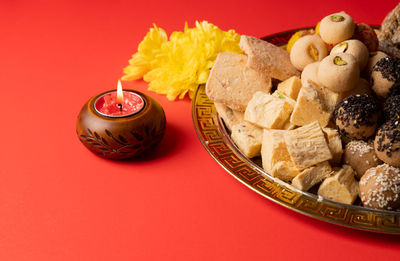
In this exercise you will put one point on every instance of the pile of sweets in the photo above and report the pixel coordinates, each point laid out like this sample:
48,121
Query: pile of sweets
323,115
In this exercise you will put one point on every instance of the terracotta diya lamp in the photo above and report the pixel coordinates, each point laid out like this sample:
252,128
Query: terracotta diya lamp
121,124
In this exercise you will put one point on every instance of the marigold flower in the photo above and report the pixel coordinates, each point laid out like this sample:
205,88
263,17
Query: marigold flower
178,66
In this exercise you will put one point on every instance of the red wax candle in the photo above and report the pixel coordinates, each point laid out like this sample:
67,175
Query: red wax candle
109,104
119,103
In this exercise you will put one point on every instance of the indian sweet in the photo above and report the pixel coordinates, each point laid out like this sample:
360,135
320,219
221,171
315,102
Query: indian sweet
391,108
339,72
356,117
380,187
336,28
335,145
374,57
314,103
296,36
308,49
310,115
360,155
340,186
367,35
267,58
248,138
355,48
232,83
387,143
385,76
310,73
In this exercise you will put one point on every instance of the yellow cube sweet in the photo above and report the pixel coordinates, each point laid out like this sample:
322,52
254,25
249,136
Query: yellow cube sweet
284,170
273,148
268,111
335,145
314,103
307,145
290,87
312,176
248,138
283,96
341,187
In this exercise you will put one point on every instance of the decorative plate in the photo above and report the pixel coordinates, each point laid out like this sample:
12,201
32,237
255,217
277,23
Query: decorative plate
215,138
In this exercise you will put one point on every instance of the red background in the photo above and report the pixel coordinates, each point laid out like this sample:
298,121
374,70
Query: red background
58,201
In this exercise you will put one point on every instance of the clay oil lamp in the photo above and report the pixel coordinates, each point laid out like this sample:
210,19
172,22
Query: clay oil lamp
121,124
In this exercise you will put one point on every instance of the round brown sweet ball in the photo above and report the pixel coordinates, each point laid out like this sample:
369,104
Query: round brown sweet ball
356,117
387,143
380,188
366,34
372,60
339,72
360,155
355,48
308,49
391,108
385,76
336,28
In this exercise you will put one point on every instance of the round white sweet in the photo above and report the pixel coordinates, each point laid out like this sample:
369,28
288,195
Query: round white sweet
310,73
339,72
355,48
308,49
336,28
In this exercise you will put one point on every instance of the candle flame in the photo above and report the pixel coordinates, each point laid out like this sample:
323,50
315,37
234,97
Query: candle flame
120,94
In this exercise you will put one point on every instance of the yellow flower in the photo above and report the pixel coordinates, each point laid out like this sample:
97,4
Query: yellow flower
178,66
148,49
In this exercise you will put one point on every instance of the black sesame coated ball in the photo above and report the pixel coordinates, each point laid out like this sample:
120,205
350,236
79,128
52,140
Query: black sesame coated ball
387,143
385,77
391,108
356,117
